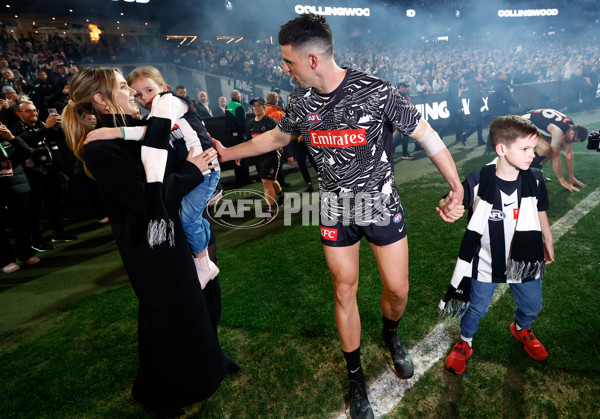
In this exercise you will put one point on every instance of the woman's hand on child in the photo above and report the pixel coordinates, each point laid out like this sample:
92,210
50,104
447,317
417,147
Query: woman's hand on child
105,133
203,161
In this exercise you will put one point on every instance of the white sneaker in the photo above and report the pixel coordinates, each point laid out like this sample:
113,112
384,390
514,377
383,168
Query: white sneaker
213,269
206,270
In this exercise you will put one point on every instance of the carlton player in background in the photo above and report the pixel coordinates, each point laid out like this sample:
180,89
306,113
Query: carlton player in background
346,119
558,133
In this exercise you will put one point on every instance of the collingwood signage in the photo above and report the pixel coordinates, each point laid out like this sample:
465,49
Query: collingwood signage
332,11
528,12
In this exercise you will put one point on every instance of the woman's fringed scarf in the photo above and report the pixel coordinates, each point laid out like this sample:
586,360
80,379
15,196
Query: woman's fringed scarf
155,145
526,259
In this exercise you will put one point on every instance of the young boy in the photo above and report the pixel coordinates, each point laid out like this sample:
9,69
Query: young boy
508,239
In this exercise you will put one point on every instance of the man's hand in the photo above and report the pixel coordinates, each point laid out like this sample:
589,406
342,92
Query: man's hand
451,208
221,150
576,182
5,132
568,186
104,133
52,120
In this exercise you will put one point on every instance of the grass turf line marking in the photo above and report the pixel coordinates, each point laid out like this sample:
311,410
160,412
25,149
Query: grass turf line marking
388,390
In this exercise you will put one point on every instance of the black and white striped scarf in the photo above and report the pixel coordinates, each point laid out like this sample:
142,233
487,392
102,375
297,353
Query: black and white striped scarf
526,259
161,228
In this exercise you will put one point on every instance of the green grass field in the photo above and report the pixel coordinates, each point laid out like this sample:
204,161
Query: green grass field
68,326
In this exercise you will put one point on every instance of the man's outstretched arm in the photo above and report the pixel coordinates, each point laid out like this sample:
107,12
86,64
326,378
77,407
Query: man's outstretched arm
261,144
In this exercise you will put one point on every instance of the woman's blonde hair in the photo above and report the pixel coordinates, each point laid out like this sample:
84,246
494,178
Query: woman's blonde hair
147,72
80,115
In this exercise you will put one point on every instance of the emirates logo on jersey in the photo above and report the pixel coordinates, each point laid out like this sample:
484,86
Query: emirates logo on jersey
338,139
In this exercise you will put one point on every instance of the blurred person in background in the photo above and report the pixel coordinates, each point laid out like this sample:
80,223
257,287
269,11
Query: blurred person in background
14,196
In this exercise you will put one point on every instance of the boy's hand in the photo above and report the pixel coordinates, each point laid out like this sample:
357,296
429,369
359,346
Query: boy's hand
548,252
103,134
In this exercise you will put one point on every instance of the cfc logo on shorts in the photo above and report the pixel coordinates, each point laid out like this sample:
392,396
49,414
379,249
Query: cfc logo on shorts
329,233
397,218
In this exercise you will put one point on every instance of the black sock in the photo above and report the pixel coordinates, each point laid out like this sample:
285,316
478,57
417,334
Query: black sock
355,371
390,328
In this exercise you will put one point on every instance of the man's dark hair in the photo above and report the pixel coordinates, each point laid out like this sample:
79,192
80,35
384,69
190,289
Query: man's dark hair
581,132
181,86
507,129
305,29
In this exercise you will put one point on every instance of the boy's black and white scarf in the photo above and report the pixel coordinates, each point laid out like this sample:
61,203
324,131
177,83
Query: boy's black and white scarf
526,259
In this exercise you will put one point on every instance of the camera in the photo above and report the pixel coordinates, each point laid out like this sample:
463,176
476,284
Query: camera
594,140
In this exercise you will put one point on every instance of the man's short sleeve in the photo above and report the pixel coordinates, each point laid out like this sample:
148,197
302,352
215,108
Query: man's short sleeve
401,113
289,123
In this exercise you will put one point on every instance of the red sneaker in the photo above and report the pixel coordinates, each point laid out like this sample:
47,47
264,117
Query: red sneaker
457,359
532,346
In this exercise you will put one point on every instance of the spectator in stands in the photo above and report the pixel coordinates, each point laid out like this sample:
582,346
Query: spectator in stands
500,101
45,173
20,85
60,99
42,88
235,116
7,106
203,110
423,86
14,196
439,85
272,108
475,94
455,107
220,110
181,91
60,77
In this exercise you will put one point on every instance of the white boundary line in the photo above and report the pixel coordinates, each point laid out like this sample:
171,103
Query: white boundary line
388,390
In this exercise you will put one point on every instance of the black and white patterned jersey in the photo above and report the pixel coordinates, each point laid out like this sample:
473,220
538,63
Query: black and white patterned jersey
349,133
490,262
